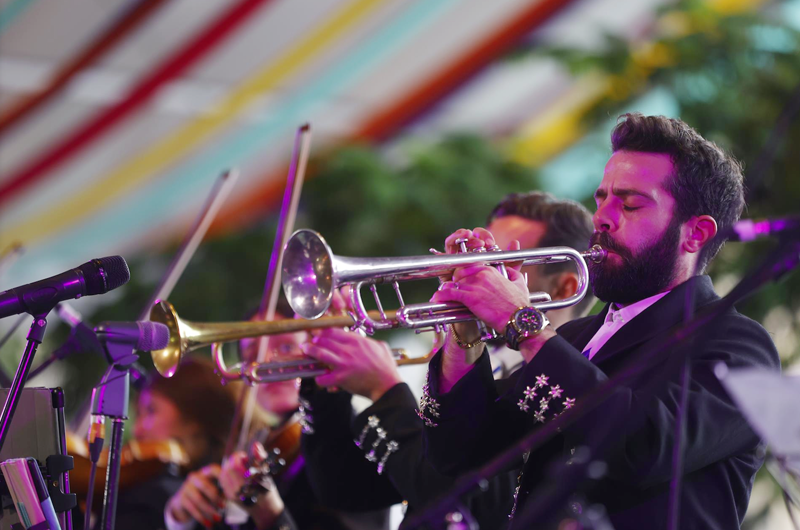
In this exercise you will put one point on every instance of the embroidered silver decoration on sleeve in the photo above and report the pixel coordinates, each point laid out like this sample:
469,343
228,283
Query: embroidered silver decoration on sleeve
391,447
305,419
428,406
373,422
532,392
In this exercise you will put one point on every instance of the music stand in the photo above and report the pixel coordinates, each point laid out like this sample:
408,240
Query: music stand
769,401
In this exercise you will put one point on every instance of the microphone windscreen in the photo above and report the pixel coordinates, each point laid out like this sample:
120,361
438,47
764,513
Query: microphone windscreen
105,274
152,336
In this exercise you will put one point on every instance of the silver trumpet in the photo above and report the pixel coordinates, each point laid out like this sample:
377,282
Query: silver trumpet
311,272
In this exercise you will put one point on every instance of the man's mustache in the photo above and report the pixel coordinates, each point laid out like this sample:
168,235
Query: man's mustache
606,241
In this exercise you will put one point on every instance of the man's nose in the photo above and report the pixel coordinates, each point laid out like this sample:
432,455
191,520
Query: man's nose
604,219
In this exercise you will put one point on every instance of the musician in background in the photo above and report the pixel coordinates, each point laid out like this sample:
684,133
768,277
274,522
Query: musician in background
539,220
291,503
665,194
388,434
185,409
203,495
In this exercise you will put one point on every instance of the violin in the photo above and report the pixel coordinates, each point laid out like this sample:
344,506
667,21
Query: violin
140,461
269,459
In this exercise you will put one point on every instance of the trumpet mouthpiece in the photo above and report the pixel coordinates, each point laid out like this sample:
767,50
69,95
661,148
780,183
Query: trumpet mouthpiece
596,254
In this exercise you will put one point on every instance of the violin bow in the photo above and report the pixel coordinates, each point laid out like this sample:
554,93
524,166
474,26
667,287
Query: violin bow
272,285
219,193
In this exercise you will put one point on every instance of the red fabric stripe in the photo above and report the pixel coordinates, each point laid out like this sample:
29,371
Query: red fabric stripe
119,29
404,111
91,130
401,112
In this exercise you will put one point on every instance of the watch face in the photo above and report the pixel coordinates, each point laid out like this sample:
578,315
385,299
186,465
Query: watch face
529,320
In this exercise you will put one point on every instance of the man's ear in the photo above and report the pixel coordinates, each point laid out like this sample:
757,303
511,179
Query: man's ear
700,230
565,286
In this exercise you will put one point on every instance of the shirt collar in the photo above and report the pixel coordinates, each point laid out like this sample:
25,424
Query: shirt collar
625,314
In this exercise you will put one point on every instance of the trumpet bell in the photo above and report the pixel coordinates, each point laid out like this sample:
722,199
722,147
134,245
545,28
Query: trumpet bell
166,361
308,274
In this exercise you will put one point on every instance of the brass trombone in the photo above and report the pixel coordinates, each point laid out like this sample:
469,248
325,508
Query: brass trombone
185,336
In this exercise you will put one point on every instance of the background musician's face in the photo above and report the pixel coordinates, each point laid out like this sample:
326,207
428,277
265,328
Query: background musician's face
529,233
280,397
634,223
158,418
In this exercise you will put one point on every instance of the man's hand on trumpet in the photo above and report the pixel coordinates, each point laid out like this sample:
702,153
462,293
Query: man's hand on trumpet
359,365
486,293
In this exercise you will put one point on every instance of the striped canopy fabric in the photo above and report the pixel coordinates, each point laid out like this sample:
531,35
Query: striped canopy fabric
116,117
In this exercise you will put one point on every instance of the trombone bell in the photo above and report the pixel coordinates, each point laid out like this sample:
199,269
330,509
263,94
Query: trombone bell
166,361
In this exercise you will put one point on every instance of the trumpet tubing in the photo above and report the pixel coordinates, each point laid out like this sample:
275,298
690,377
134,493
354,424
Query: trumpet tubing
311,272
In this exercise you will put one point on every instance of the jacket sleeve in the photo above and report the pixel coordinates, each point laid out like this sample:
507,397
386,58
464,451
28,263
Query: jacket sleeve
641,453
390,436
339,474
466,426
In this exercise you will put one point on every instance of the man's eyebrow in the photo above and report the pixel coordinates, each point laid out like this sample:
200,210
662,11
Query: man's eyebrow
601,193
627,192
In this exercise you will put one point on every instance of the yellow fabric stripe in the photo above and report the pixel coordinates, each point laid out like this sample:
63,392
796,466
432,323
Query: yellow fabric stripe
544,136
147,165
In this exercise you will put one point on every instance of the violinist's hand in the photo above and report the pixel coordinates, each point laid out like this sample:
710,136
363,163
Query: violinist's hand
198,498
359,365
232,477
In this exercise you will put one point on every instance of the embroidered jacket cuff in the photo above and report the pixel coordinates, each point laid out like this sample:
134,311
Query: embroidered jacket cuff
456,416
381,428
549,384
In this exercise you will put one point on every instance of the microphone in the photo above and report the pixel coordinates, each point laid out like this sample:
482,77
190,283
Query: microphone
141,335
97,276
752,229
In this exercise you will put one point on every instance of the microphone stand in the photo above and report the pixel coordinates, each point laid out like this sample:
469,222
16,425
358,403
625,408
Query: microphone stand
542,502
35,336
110,400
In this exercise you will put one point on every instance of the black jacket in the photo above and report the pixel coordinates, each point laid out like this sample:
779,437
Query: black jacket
721,452
344,477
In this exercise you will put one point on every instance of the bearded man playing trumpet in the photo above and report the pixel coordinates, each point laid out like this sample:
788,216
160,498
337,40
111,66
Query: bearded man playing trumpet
665,194
388,434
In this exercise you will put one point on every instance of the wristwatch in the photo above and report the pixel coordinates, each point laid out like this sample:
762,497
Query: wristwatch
524,324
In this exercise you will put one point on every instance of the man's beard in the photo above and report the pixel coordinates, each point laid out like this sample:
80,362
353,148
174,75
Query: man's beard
645,273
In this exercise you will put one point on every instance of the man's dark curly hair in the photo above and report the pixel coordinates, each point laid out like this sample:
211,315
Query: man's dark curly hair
706,181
